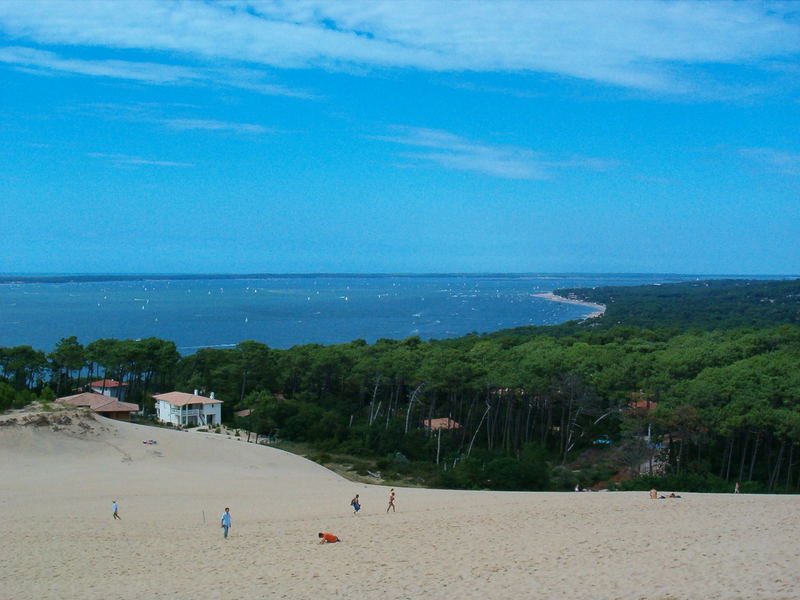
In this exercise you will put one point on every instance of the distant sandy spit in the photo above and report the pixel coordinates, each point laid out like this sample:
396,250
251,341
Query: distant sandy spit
59,539
599,309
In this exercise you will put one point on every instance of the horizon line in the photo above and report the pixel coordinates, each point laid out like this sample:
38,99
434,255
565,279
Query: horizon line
96,276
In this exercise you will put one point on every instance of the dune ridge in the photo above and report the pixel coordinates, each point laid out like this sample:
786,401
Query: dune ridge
60,540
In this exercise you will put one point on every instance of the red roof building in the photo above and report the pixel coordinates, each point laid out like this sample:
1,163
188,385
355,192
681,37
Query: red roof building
641,402
107,383
102,405
643,405
442,423
109,387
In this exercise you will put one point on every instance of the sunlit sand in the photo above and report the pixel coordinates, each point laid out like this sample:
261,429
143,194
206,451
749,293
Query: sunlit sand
60,540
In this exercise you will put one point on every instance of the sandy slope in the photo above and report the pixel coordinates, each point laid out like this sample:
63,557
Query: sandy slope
59,539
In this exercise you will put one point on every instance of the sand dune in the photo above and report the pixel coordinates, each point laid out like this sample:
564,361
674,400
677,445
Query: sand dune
60,541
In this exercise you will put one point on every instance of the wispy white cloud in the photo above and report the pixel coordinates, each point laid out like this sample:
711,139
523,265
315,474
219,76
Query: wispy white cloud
43,62
211,125
159,114
649,44
51,62
785,163
127,160
503,161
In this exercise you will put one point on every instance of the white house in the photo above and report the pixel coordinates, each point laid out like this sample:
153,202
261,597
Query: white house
188,410
109,387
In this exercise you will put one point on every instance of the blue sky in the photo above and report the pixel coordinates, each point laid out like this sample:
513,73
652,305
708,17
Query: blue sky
156,136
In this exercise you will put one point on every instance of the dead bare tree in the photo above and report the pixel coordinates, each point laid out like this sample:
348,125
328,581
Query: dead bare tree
373,414
411,402
478,428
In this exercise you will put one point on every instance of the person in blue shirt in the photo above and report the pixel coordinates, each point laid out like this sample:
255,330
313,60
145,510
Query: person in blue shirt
115,508
226,522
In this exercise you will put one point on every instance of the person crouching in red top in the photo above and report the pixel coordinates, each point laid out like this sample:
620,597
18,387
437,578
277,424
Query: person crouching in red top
328,538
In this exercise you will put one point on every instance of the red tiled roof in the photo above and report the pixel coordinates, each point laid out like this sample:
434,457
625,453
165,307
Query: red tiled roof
244,413
99,402
643,404
85,399
107,383
182,399
116,406
443,423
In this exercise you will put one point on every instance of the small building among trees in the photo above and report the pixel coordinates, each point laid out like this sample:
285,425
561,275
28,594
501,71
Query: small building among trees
445,423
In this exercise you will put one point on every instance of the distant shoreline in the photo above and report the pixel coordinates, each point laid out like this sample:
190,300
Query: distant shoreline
599,309
21,279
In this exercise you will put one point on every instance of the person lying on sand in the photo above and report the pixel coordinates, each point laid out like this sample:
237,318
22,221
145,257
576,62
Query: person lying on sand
328,538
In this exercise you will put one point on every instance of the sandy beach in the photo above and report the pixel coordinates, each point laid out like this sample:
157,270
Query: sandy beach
60,540
598,309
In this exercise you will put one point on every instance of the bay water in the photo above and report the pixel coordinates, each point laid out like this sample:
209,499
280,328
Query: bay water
285,311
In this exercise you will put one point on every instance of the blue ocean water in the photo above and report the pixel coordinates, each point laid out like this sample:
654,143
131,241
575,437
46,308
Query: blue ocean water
286,311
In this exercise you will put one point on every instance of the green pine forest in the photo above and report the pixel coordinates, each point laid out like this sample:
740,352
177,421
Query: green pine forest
691,386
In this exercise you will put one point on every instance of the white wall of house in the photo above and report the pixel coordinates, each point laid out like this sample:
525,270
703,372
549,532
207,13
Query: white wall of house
189,415
113,392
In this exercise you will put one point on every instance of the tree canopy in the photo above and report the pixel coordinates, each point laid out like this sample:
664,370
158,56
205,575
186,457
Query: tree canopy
525,409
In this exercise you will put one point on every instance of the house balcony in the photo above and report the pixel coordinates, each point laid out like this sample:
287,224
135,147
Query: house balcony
195,412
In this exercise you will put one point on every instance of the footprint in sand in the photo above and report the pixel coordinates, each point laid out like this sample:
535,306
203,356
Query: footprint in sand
125,456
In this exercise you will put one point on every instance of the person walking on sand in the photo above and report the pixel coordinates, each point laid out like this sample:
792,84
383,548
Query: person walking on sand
391,501
356,504
327,538
225,522
736,488
115,508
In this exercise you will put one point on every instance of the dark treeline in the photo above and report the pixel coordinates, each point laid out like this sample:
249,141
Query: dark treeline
701,304
536,408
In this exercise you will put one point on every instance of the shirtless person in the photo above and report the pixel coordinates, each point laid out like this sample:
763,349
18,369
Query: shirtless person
391,501
327,538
